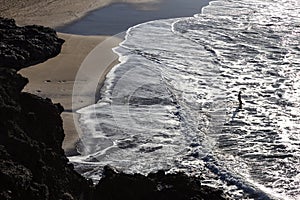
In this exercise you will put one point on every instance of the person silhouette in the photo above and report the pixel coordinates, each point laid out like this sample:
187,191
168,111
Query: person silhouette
240,100
239,107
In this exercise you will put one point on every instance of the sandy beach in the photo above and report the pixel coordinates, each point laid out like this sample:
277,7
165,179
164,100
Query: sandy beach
55,78
54,13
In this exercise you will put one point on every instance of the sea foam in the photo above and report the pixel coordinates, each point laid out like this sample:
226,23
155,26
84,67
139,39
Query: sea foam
172,102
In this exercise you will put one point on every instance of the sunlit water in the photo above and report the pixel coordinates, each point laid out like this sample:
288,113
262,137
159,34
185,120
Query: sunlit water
172,102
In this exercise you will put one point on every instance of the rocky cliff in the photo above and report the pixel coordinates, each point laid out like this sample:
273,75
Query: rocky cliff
32,163
25,46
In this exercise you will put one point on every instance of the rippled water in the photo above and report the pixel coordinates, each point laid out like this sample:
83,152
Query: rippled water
172,102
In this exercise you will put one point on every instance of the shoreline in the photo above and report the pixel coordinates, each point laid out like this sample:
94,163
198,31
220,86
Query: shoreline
54,79
33,164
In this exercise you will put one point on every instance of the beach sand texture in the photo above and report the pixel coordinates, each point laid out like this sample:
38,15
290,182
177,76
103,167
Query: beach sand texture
53,13
55,78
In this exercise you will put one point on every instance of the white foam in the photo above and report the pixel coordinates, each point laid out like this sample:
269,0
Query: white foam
170,102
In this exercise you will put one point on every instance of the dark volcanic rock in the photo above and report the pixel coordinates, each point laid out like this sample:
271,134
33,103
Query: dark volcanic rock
159,186
25,46
32,162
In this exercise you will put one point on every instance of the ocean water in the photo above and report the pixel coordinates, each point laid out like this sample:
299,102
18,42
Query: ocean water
172,103
118,17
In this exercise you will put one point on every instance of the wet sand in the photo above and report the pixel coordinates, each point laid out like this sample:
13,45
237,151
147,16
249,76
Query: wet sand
54,13
55,78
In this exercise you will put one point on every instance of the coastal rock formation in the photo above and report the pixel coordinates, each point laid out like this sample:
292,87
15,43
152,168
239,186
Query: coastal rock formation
25,46
159,186
32,163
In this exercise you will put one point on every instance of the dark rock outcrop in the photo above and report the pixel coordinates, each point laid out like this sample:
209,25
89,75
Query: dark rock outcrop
25,46
159,186
32,163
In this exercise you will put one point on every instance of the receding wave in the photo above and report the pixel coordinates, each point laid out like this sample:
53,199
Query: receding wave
172,103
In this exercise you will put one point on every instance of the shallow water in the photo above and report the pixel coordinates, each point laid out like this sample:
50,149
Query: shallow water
118,17
172,102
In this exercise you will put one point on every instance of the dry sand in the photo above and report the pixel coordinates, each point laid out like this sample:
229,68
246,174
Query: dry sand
54,13
55,78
